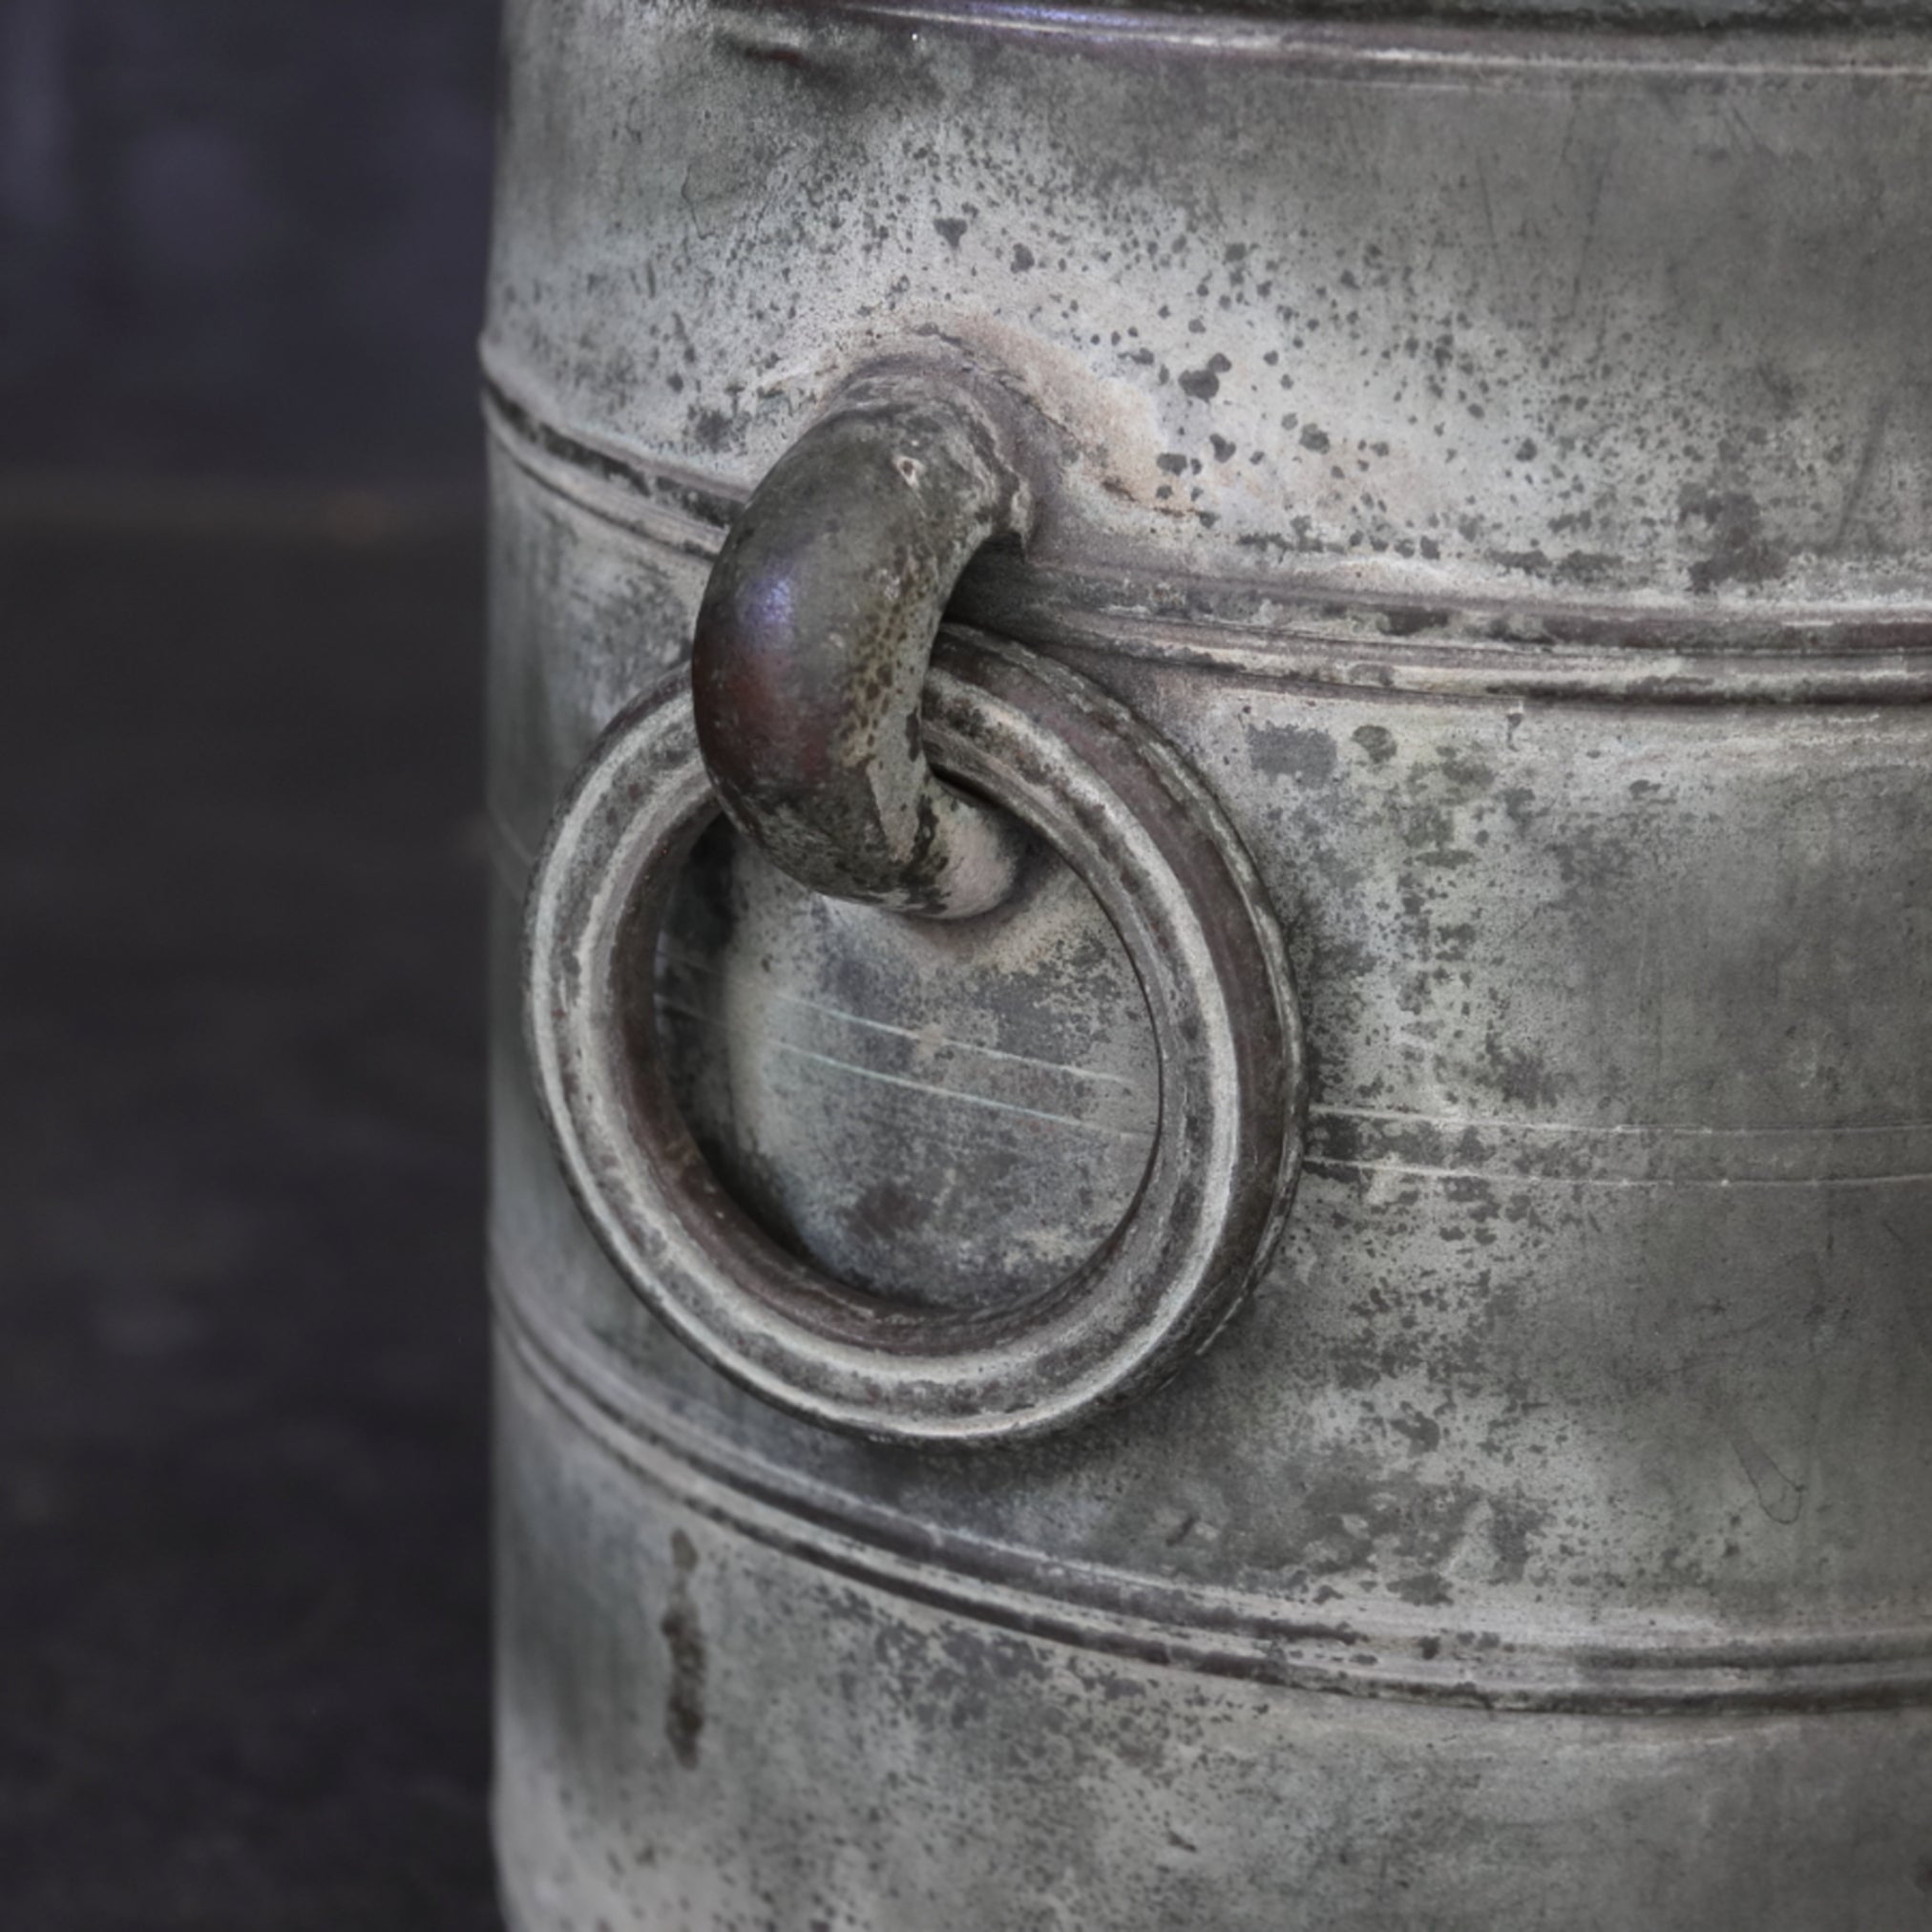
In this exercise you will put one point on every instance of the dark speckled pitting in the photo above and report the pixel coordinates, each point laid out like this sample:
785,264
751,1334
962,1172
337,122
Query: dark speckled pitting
1498,463
1493,315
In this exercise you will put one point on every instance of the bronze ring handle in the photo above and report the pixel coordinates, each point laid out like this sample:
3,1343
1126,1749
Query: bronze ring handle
1120,807
824,702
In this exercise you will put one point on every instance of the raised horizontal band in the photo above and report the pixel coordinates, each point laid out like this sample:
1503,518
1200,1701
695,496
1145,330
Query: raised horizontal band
1283,627
1222,1633
1648,36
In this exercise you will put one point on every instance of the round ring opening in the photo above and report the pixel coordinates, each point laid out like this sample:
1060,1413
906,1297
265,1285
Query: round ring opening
943,1114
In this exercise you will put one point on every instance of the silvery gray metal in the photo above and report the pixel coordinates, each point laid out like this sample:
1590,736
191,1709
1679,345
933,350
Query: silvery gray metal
1451,499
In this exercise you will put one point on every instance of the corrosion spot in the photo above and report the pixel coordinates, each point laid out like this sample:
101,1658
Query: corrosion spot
1203,385
1292,752
1740,552
1378,740
684,1639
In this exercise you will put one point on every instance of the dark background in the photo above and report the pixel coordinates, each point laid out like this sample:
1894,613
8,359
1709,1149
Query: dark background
244,1573
243,239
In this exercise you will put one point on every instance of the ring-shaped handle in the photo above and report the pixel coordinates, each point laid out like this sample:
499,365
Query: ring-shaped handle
1125,811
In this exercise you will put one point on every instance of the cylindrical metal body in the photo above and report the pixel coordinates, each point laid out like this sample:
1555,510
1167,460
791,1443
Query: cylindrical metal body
1498,462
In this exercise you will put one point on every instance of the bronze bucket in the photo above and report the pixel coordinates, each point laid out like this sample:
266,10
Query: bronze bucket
1243,1241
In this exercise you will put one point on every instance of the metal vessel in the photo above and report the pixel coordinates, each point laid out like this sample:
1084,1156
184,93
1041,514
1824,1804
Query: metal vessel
1247,1245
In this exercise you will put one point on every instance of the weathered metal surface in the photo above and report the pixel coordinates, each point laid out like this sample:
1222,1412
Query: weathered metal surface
809,656
1540,586
1569,331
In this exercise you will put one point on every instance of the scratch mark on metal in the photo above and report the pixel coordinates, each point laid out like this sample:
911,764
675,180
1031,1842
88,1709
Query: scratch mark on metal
899,1080
922,1036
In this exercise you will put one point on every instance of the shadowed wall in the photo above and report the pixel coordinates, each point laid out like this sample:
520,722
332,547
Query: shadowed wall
243,239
